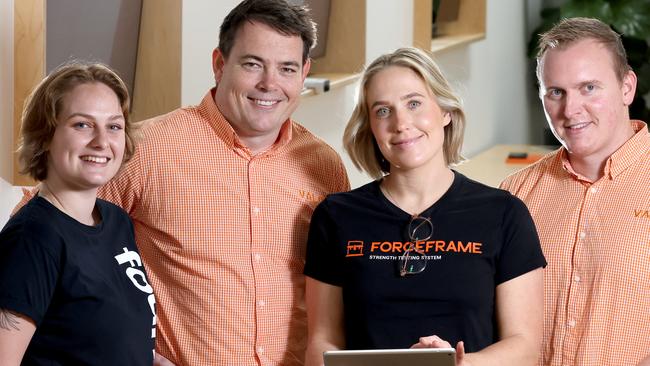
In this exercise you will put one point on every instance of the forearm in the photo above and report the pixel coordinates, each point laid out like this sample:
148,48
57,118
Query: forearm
324,320
516,350
315,349
16,331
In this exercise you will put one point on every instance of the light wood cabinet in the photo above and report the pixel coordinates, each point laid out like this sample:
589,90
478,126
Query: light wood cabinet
468,26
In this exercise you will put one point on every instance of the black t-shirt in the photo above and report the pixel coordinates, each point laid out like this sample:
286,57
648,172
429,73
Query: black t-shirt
84,287
482,237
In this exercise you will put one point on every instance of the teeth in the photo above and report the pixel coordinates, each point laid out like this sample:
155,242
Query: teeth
579,125
266,103
95,159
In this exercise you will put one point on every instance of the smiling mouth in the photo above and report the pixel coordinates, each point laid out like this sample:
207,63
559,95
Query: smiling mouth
264,103
577,126
406,141
95,159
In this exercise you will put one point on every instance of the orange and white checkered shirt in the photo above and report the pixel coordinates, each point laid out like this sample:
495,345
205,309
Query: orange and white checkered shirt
223,234
596,239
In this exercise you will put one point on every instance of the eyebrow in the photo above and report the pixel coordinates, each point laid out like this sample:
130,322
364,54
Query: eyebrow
84,115
583,83
259,59
578,84
407,96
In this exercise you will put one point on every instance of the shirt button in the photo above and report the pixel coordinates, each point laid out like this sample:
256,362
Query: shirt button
577,278
257,257
593,189
257,210
583,235
260,349
261,303
571,323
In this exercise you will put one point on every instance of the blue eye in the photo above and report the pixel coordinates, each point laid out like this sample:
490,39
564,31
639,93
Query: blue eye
414,104
382,112
81,125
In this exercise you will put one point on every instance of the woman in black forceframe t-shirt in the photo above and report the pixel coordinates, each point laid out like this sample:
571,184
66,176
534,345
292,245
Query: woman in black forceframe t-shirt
73,289
423,256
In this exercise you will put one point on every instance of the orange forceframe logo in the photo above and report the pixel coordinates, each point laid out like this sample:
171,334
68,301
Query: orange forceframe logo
355,248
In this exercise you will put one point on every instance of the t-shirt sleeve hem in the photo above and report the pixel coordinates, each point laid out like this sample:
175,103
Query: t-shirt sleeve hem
528,267
20,307
324,279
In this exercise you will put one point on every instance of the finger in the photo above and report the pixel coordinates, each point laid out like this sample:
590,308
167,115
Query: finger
438,342
460,352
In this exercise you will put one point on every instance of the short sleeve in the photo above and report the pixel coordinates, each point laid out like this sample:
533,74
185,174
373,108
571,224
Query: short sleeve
323,262
29,271
521,251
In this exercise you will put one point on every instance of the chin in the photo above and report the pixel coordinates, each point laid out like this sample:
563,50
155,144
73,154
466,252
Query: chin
93,183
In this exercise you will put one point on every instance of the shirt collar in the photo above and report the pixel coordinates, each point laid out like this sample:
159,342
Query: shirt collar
632,150
209,111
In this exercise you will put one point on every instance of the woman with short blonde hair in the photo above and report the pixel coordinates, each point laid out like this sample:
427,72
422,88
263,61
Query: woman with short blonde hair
422,256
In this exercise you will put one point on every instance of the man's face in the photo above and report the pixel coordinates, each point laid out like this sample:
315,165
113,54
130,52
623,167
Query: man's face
259,83
585,103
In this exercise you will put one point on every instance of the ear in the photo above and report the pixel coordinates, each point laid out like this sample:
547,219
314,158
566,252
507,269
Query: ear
218,61
628,87
305,69
446,118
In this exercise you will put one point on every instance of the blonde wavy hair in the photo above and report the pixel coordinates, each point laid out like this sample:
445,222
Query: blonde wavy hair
358,139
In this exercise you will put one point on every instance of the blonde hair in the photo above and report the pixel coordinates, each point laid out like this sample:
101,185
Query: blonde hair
358,139
42,106
571,30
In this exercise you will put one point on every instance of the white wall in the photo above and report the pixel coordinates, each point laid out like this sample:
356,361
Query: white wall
199,37
491,76
389,25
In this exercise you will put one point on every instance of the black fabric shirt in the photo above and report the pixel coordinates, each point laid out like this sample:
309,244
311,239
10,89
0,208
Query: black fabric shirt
84,286
482,237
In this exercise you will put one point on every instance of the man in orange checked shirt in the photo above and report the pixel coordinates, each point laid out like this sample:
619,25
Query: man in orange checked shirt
221,195
590,201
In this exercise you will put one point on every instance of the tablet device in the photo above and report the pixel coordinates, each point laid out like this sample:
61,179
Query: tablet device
392,357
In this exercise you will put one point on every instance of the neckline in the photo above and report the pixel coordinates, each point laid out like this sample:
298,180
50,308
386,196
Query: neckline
89,228
428,212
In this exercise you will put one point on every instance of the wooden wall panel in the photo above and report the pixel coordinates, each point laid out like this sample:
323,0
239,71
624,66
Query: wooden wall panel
471,19
422,20
157,88
29,62
346,39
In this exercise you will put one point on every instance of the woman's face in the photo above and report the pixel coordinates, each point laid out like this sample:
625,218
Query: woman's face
87,148
405,119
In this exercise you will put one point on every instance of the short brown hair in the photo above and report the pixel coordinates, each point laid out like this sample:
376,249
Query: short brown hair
286,18
358,139
43,105
571,30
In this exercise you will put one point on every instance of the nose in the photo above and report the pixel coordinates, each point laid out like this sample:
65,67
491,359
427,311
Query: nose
268,80
401,120
572,105
100,139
